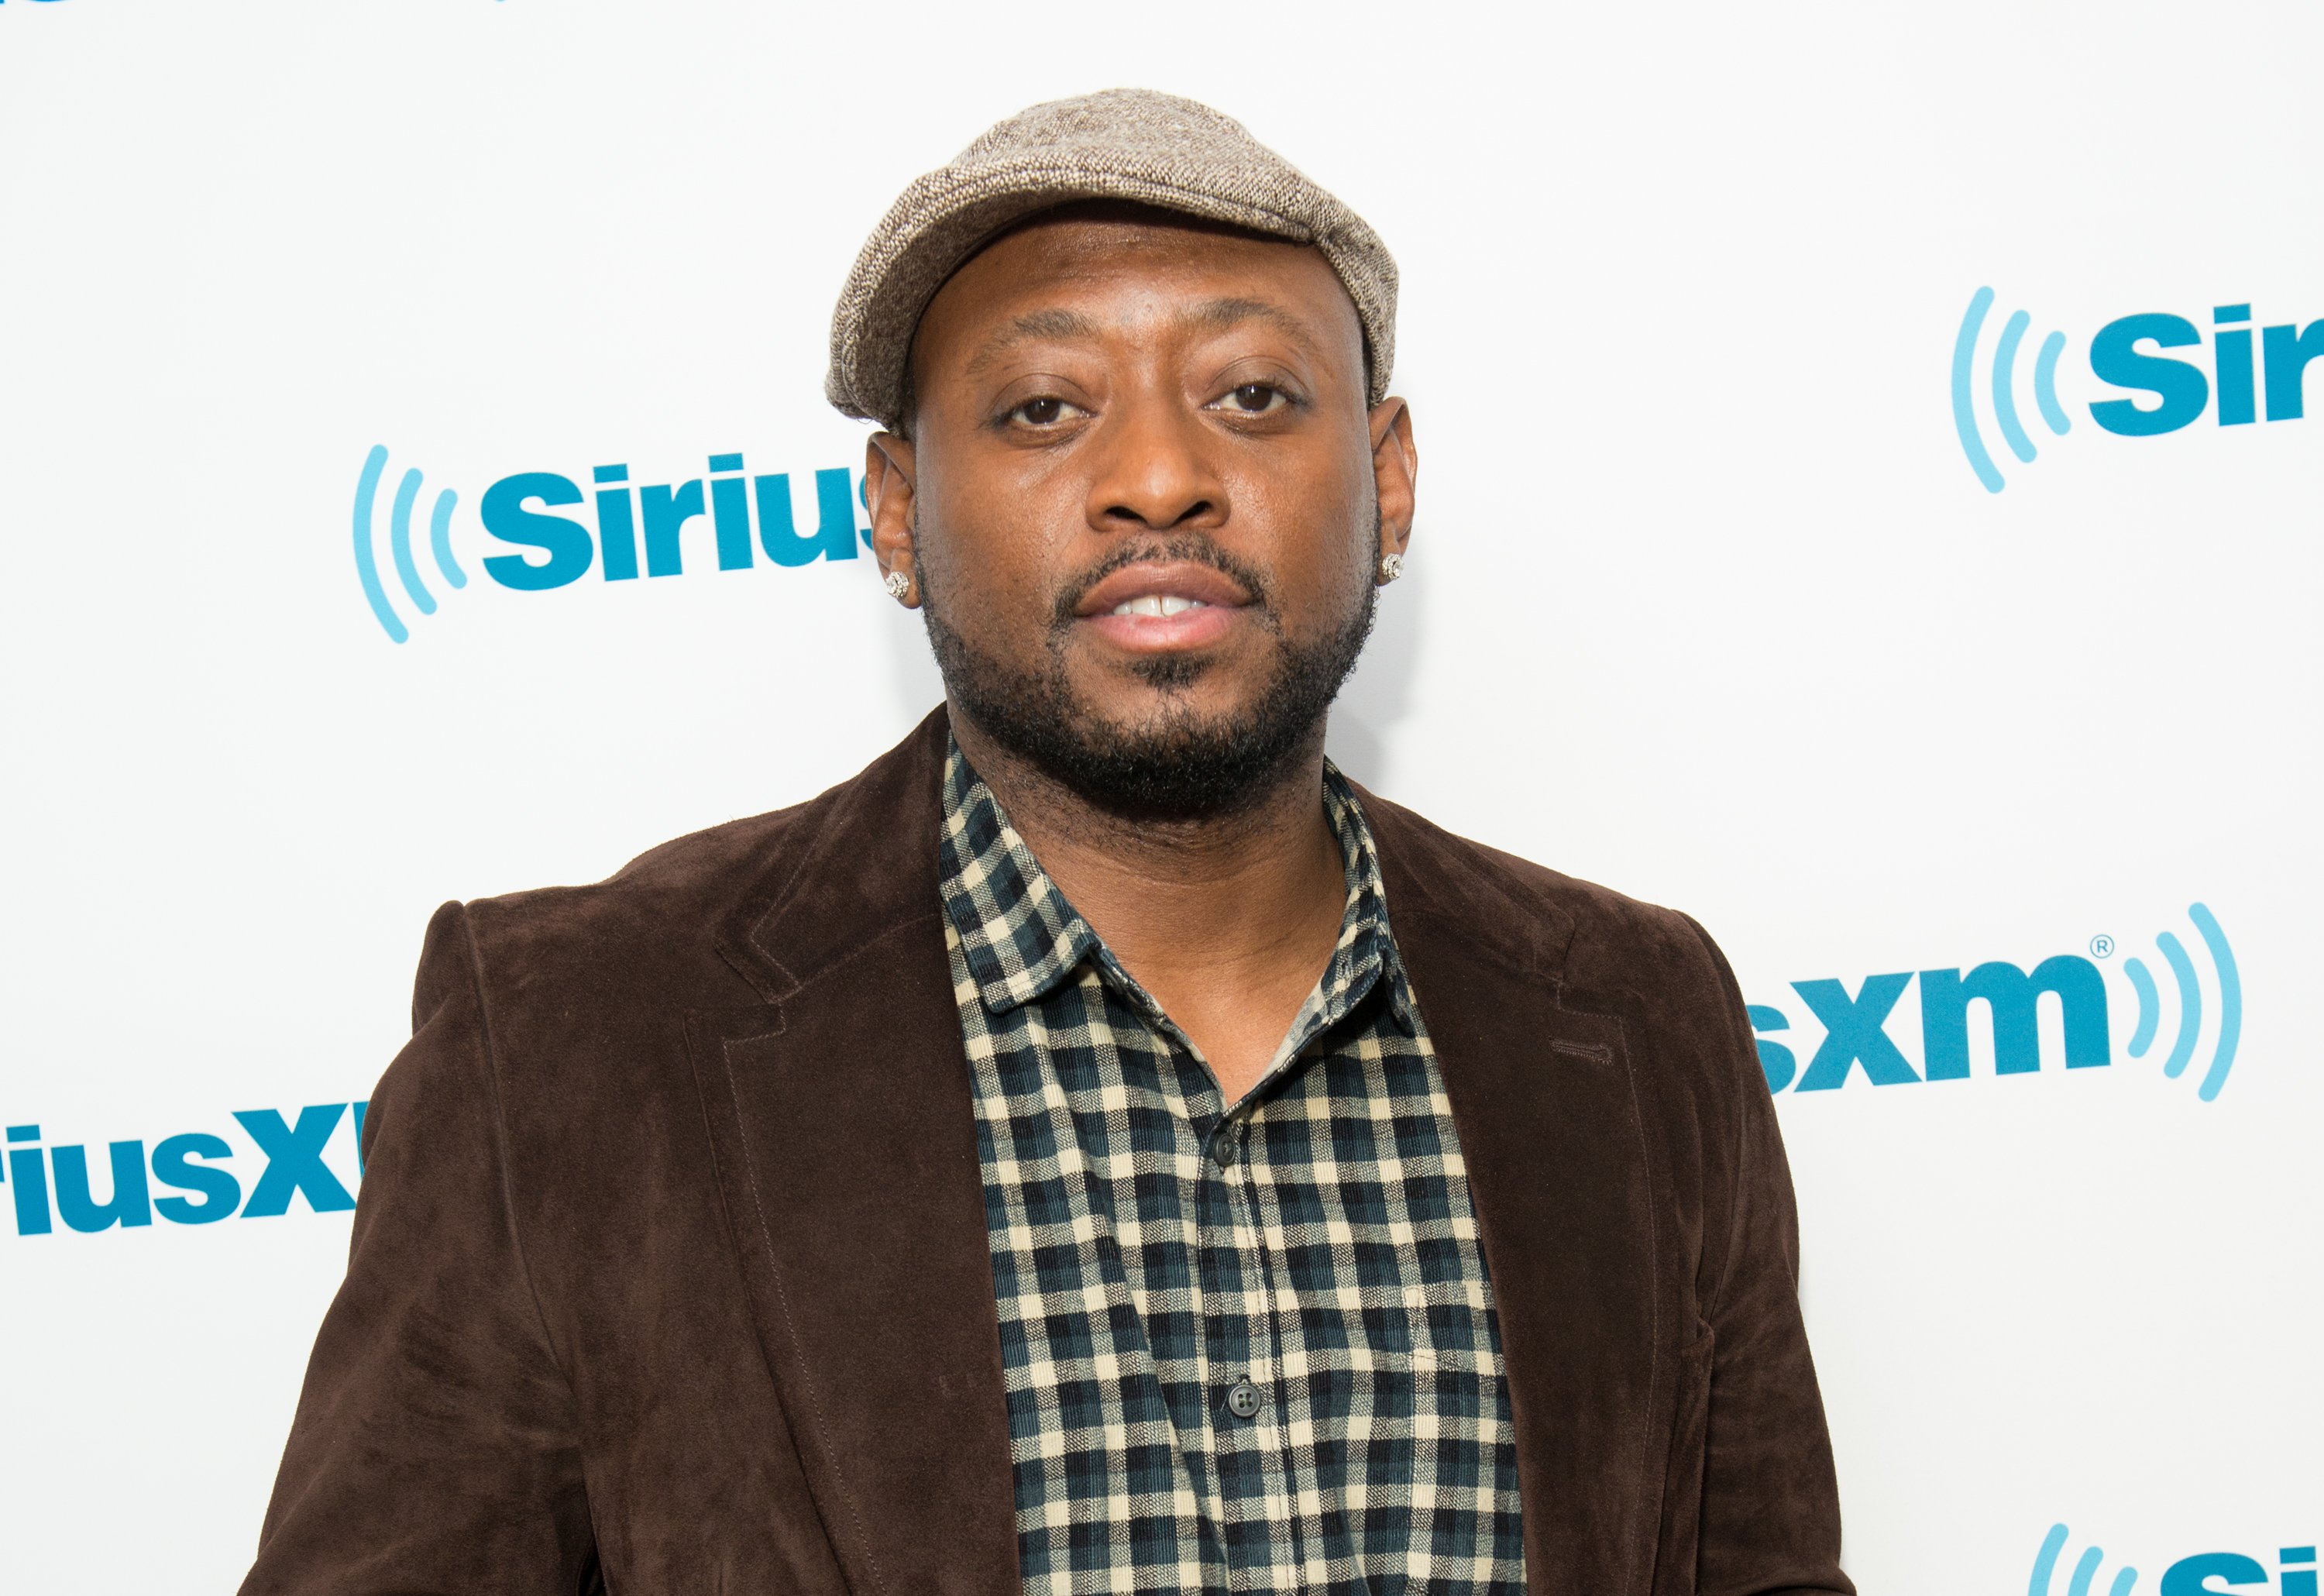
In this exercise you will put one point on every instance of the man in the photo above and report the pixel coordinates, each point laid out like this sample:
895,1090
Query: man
1097,1147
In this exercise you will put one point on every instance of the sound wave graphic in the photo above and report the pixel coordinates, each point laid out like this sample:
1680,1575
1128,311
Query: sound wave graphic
2086,1568
2004,394
399,543
2190,1004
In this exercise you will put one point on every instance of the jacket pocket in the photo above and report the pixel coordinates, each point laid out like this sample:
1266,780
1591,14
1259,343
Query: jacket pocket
1678,1542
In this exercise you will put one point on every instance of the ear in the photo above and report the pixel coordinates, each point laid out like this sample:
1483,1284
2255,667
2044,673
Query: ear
1395,469
888,489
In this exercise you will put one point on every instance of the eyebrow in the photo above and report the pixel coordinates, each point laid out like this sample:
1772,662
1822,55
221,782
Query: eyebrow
1064,326
1221,315
1061,325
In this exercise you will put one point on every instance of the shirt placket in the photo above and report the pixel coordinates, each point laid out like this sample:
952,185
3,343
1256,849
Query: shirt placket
1169,1218
1258,1403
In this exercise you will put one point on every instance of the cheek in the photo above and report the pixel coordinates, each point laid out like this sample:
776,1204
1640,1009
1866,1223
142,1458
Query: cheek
989,548
1320,533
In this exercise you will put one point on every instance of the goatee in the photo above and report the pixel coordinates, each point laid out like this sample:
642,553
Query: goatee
1177,763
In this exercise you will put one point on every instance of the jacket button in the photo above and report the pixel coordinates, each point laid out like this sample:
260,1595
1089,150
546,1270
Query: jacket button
1242,1398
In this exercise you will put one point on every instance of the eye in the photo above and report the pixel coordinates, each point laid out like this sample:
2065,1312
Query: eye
1255,399
1045,411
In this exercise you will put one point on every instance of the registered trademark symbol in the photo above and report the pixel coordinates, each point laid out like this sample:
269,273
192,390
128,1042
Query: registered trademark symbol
2102,946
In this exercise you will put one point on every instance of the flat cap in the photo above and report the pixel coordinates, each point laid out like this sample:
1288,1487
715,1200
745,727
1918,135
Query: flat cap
1124,143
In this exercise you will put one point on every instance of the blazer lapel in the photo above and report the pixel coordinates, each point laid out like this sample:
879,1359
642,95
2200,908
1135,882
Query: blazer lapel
841,1121
1544,1105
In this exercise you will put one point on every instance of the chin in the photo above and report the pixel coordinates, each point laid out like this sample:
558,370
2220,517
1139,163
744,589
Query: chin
1167,683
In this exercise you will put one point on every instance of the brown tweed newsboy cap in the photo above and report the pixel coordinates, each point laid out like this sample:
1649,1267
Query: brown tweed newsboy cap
1124,143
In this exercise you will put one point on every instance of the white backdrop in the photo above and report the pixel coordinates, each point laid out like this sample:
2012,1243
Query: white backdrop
1707,602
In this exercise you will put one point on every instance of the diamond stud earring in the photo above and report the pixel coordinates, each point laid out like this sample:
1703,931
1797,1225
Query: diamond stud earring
897,585
1391,567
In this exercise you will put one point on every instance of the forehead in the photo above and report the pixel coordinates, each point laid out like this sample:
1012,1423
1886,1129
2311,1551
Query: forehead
1126,272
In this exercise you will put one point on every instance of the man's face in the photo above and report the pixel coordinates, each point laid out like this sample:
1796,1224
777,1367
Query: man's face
1144,502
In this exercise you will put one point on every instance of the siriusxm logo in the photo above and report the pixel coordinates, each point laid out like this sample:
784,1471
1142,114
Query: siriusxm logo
626,531
2295,1572
1856,1028
2124,354
399,543
190,1167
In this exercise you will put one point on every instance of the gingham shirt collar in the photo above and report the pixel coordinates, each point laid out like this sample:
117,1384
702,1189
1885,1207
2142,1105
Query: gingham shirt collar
1021,939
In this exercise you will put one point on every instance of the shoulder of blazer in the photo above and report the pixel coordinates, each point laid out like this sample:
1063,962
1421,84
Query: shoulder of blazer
775,899
1590,940
1653,970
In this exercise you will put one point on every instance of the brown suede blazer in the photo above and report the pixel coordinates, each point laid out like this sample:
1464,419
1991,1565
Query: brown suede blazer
669,1274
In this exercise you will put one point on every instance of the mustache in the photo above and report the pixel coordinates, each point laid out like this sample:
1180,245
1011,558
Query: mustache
1194,548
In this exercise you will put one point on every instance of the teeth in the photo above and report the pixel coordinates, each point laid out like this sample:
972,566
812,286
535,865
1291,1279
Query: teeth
1156,604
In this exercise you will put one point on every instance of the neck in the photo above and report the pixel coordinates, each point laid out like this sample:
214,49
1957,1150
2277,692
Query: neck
1250,899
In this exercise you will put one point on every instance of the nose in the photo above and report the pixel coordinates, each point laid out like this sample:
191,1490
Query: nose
1154,470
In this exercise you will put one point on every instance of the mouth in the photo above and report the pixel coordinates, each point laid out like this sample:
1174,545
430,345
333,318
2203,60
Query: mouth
1163,605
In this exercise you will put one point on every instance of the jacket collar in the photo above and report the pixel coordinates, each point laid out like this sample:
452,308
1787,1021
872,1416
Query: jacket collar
845,1153
864,862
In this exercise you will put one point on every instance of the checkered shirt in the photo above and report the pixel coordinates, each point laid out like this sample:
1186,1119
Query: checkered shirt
1246,1347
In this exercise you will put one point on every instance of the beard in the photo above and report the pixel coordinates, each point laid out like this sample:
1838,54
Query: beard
1177,763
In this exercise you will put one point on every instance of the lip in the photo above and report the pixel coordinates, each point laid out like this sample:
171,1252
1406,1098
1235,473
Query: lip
1222,598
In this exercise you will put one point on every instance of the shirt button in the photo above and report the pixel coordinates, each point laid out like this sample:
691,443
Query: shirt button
1242,1398
1222,1147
